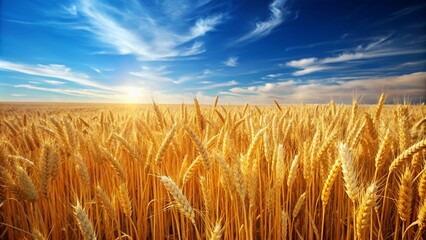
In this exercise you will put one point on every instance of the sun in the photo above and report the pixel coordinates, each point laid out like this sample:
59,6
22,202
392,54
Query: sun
133,94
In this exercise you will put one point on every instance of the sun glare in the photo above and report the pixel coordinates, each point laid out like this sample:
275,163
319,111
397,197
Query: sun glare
133,94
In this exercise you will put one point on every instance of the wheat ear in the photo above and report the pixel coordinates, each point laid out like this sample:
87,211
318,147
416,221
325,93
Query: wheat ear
191,170
206,195
399,161
115,164
199,145
217,232
421,217
24,186
349,173
293,171
124,200
164,145
405,194
299,205
422,186
106,202
380,161
199,116
84,223
329,182
181,201
364,210
284,224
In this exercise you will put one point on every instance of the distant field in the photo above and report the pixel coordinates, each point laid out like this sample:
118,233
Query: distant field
110,171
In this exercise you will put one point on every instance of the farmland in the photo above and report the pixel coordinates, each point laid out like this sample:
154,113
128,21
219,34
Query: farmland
108,171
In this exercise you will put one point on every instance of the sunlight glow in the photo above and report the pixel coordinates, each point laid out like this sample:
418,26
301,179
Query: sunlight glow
133,94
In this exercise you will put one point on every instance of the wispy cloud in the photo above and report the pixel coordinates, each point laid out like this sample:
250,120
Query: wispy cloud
264,28
54,82
140,34
18,95
157,74
376,49
195,76
53,71
231,62
217,85
401,13
273,76
72,92
96,70
411,86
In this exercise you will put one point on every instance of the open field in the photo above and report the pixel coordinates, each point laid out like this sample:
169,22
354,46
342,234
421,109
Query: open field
212,172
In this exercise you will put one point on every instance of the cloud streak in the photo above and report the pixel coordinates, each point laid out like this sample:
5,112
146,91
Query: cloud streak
231,62
72,92
412,86
264,28
217,85
53,71
144,36
53,82
376,49
157,74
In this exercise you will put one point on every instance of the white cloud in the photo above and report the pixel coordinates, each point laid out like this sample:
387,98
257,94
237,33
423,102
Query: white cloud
309,70
231,62
202,26
96,70
53,71
264,28
272,76
72,92
18,95
153,74
53,82
376,49
411,86
217,85
72,10
197,76
302,63
344,57
148,38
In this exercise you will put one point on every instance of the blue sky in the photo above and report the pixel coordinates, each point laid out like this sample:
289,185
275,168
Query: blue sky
171,51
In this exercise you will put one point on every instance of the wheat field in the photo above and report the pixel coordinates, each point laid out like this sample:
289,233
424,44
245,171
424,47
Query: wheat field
104,171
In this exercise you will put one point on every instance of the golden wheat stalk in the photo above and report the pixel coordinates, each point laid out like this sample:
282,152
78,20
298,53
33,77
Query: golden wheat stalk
329,182
106,202
363,215
206,192
405,195
293,172
199,116
421,217
24,186
299,205
191,170
164,145
199,145
405,155
124,199
84,223
114,163
349,173
284,224
379,160
181,201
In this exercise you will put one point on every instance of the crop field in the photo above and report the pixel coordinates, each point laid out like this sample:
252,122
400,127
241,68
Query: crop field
111,171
